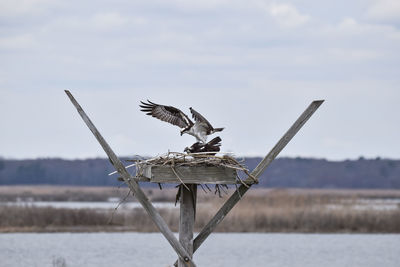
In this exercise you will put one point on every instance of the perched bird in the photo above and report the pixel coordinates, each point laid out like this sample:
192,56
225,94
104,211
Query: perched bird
212,146
200,129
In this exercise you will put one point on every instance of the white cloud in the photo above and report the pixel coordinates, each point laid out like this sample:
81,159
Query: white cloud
25,7
203,5
107,21
384,10
287,15
350,34
102,21
352,26
353,54
18,42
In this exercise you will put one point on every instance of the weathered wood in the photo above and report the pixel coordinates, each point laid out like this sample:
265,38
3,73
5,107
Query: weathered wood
134,186
141,179
236,196
187,218
190,175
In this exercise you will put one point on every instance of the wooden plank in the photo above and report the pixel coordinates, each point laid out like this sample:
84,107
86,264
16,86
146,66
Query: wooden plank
134,186
187,218
236,196
190,175
141,179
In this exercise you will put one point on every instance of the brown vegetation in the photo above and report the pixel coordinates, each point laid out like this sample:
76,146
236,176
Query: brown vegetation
259,211
285,212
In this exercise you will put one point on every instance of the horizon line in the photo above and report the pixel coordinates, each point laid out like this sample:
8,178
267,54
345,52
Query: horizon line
236,156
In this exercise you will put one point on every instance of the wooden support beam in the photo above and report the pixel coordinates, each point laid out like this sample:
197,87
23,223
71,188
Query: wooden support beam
236,196
190,174
285,139
231,202
187,218
134,186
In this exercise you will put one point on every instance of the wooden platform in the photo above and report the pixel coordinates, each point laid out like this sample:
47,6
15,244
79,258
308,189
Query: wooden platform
189,175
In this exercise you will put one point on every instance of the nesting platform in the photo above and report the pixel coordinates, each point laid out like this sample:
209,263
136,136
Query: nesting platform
192,168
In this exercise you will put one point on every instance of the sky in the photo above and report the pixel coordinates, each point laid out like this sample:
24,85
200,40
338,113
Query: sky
250,66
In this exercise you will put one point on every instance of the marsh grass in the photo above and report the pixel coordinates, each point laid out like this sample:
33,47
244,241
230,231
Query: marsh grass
259,211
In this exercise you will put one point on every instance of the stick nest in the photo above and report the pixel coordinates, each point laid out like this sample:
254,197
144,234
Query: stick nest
177,159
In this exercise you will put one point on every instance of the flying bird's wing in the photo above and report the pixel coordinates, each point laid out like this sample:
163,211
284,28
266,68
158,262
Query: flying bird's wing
166,113
199,118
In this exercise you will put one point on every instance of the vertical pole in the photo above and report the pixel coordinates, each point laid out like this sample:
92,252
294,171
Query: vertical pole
186,219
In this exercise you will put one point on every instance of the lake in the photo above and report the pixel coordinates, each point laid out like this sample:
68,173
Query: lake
221,249
358,204
86,204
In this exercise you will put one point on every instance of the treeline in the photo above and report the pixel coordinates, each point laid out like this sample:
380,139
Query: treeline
283,172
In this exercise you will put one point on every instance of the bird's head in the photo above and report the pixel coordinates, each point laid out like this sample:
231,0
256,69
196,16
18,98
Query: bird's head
183,131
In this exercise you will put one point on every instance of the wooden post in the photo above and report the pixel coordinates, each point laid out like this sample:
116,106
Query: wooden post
134,186
187,218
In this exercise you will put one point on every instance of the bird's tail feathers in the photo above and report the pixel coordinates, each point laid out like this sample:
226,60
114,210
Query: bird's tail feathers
218,129
214,141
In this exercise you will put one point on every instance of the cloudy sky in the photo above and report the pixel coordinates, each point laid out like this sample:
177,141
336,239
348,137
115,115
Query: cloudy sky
250,66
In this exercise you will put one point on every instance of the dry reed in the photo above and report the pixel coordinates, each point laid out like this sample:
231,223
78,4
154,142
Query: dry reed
259,211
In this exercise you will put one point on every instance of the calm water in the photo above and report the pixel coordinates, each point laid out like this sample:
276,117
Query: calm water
86,205
250,249
359,204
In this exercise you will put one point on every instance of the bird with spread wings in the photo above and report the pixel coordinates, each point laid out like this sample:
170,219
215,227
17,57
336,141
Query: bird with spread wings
200,129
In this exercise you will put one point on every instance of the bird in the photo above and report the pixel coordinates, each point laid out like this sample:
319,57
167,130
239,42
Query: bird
212,146
200,129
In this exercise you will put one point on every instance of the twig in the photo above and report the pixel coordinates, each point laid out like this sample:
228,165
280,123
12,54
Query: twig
224,186
114,172
209,189
243,183
178,194
176,174
217,189
119,203
251,176
203,188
